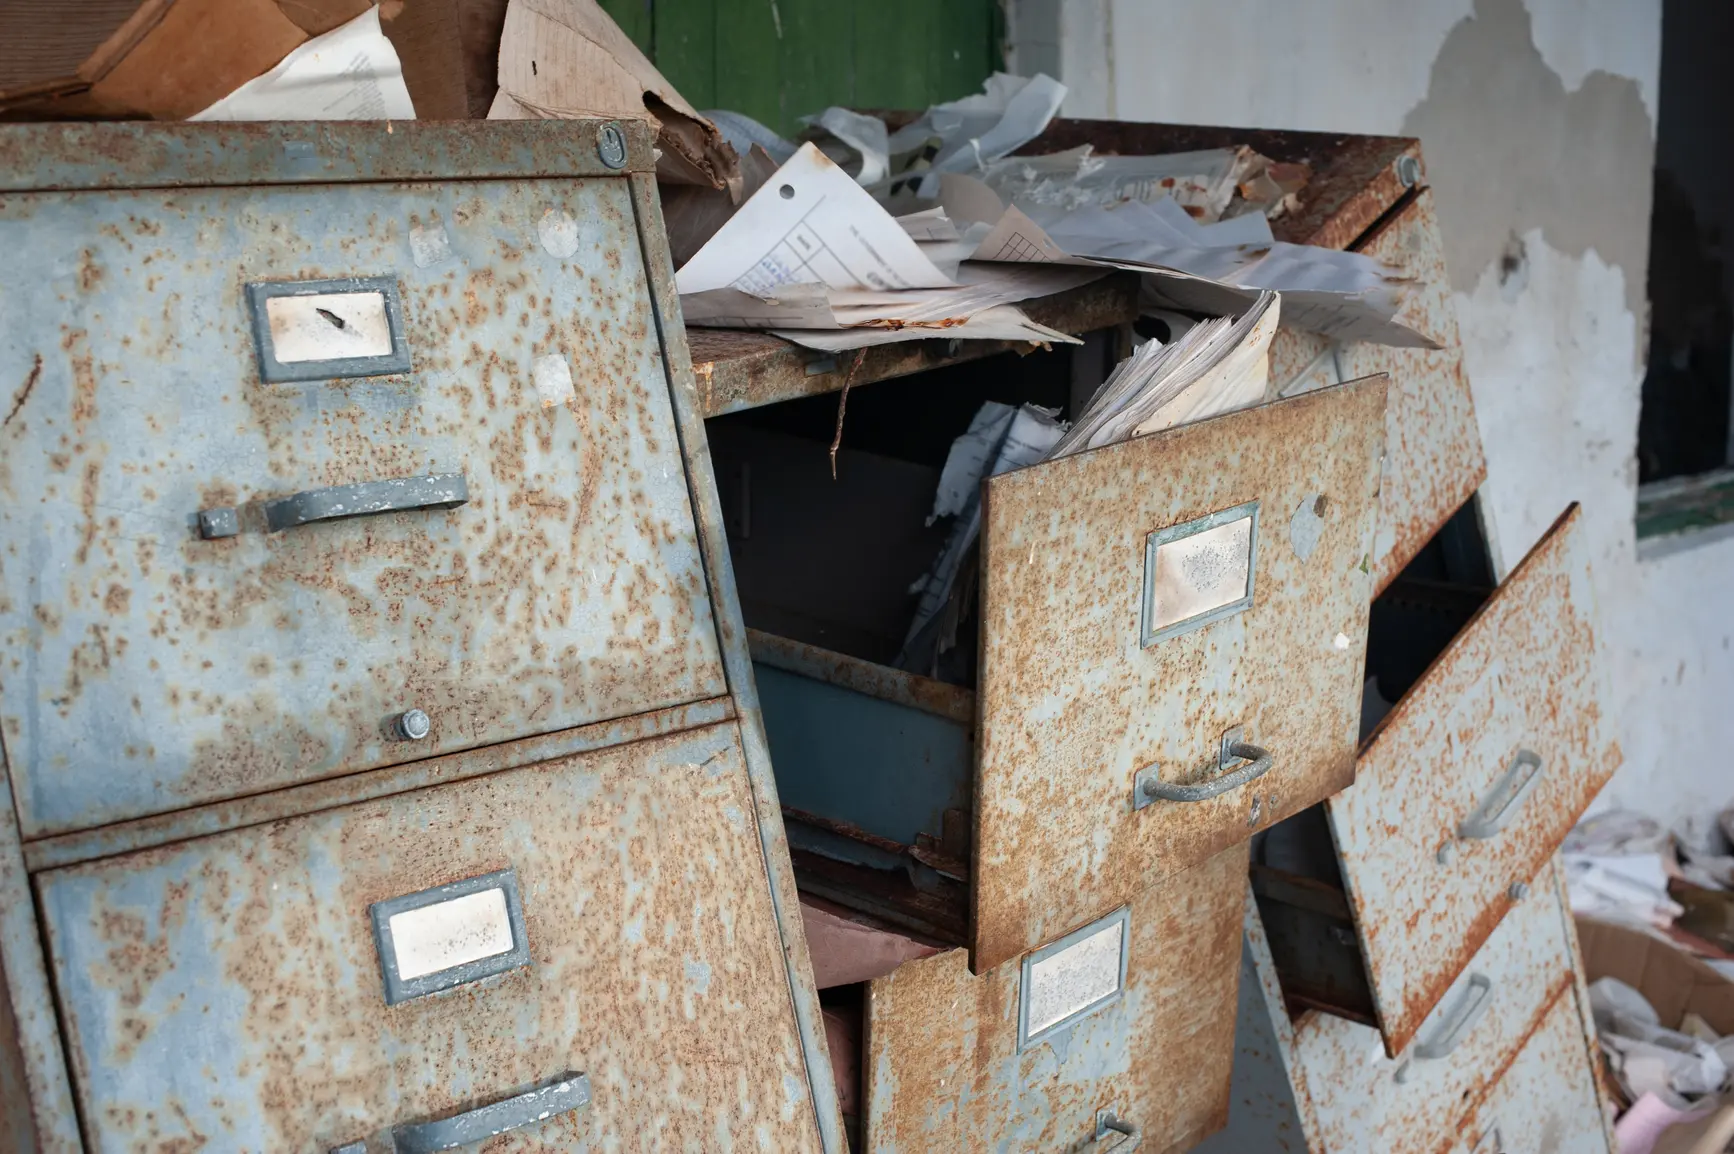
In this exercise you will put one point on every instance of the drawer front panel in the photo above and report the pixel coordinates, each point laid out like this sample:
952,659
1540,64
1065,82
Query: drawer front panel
945,1070
1411,1104
1091,674
1433,460
240,976
1473,780
155,659
1547,1100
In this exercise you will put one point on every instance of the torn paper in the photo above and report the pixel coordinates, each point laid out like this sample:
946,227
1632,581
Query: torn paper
349,73
810,222
567,60
865,134
1000,323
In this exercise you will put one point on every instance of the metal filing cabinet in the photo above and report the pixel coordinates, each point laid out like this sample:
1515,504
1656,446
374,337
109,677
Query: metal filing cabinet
1505,1063
1118,665
1114,1037
1462,793
383,762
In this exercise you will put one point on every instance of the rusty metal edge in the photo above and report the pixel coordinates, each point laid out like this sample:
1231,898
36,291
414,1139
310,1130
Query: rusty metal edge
780,373
46,1076
1398,1035
737,662
941,699
219,817
1281,1024
1580,991
140,154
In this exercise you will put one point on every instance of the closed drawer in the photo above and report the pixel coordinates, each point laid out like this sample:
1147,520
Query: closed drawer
230,989
1547,1100
1471,782
503,340
1028,1056
1411,1104
1026,796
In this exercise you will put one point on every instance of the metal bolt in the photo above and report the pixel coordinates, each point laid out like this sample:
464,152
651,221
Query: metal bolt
1447,853
1518,891
1408,171
611,146
411,725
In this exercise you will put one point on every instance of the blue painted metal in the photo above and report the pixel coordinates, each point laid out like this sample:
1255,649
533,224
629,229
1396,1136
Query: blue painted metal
228,987
887,767
149,670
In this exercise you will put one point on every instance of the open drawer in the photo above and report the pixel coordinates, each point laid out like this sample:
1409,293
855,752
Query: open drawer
1462,793
1117,1036
1171,638
1414,1102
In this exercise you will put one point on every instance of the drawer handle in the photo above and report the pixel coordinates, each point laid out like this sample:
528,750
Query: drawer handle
1502,802
1110,1124
1470,1008
1259,760
398,495
563,1095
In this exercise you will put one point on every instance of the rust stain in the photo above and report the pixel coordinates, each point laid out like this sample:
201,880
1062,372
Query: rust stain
24,390
1072,704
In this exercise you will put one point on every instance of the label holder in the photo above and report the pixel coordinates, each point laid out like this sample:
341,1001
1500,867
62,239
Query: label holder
400,989
272,370
1151,632
1123,918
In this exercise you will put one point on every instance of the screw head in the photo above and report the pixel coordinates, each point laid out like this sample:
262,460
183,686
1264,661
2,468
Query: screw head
1447,853
1408,171
611,146
1518,891
413,725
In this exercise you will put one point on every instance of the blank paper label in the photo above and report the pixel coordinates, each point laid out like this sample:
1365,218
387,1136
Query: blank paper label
1197,574
1074,979
437,937
328,327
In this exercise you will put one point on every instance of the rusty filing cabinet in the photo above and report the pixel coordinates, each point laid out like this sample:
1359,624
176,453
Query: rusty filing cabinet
382,758
1091,761
1464,790
1506,1062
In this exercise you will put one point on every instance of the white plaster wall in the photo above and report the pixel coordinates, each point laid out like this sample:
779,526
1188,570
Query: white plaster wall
1554,352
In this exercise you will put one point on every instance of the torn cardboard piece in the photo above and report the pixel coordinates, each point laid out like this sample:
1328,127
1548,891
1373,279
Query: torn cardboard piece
566,59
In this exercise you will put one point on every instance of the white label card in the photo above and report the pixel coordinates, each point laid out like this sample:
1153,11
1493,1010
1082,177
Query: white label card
328,326
437,937
1074,979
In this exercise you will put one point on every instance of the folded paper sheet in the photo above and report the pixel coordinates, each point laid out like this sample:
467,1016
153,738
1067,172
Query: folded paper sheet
349,73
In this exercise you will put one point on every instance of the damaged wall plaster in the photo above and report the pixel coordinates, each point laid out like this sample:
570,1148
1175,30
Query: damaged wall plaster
1538,122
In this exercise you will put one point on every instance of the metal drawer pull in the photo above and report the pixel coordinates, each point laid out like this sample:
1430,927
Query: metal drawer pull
561,1096
1470,1008
398,495
1259,760
1507,796
1109,1123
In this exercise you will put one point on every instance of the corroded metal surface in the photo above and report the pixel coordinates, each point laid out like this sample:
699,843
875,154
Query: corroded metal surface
1433,461
1269,1109
1547,1101
36,1113
1071,704
116,155
654,946
1360,1102
943,1071
126,837
1300,362
735,369
1524,675
939,698
797,968
147,670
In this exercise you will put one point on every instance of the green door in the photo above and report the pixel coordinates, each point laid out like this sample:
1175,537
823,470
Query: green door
777,60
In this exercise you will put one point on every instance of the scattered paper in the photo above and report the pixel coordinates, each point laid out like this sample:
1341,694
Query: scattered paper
1203,183
865,134
1023,438
1008,113
810,223
349,73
